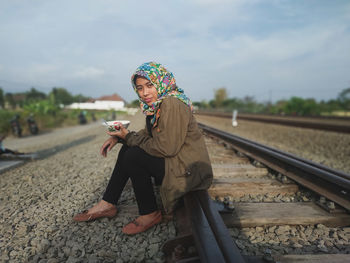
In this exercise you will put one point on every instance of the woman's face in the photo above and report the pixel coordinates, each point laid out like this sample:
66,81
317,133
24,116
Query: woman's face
146,90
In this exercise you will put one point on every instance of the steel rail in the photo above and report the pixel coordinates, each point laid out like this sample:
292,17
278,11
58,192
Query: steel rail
332,184
228,114
217,245
200,224
288,122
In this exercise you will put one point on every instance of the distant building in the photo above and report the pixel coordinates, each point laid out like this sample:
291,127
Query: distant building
112,102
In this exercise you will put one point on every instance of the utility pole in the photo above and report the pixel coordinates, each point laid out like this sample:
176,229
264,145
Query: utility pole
234,118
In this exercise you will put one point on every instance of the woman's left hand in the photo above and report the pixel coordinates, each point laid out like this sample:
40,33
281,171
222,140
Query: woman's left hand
121,132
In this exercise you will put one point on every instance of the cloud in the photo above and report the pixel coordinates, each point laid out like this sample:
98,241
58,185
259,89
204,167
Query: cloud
89,72
40,70
285,46
247,46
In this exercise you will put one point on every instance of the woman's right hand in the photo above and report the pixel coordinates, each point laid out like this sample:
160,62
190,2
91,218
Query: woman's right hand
108,145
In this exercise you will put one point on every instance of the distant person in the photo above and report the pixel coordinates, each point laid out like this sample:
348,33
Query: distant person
171,149
93,117
33,127
82,118
5,150
16,126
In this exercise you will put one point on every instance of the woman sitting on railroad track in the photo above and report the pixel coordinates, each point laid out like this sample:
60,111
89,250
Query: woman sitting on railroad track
170,148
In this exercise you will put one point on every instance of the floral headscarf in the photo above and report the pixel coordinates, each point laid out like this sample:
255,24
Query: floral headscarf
165,84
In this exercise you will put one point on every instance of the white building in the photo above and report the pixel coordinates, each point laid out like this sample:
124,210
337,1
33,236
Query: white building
112,102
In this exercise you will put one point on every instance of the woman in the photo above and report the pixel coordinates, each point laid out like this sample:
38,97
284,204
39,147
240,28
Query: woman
171,149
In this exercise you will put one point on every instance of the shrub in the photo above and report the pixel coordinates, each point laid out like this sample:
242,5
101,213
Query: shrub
5,117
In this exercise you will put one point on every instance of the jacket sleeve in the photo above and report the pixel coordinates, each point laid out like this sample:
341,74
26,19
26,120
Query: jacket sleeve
143,132
170,133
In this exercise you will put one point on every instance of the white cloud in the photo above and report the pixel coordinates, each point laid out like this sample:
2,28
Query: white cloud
294,46
89,72
218,3
242,45
41,70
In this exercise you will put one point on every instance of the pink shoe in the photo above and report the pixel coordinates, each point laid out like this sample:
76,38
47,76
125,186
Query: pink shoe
134,227
85,217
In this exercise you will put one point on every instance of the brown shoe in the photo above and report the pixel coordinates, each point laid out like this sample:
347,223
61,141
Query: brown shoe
85,217
134,227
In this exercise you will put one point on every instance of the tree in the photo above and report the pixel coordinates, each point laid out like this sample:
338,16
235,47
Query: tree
249,104
34,95
201,104
278,107
330,106
60,96
233,103
2,99
220,95
311,107
42,107
344,99
300,106
80,98
293,106
134,104
10,100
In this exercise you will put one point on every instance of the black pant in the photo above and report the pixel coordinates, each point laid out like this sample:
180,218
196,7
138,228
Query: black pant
135,163
5,150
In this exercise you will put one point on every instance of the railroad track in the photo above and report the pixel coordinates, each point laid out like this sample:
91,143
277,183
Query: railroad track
271,204
336,124
39,199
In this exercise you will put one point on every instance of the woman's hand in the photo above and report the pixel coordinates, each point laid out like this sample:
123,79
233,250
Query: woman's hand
121,132
108,145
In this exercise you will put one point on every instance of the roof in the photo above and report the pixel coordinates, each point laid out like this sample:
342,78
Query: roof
113,97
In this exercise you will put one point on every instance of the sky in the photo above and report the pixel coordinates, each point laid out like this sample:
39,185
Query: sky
269,50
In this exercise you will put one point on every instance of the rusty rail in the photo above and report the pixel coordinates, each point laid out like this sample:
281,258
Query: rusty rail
332,184
295,122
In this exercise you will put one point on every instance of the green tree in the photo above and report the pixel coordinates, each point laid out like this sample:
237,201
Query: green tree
42,107
2,99
220,95
330,106
60,96
80,98
201,104
311,107
300,106
134,104
293,106
10,100
250,105
5,117
34,95
344,99
233,104
278,107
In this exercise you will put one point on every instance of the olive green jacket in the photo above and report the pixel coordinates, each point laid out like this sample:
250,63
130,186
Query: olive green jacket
177,139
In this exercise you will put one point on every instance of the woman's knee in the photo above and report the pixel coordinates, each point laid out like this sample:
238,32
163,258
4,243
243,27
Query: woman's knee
134,155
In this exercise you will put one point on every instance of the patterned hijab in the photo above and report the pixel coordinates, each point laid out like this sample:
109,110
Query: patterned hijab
165,84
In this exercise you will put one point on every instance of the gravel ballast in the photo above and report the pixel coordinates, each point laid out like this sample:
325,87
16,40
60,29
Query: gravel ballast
39,199
315,145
